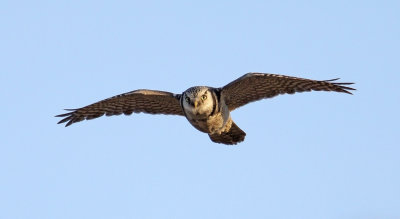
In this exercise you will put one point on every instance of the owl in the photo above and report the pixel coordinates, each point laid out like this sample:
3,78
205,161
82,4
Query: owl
206,108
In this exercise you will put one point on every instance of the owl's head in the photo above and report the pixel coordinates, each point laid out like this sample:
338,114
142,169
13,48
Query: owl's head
198,101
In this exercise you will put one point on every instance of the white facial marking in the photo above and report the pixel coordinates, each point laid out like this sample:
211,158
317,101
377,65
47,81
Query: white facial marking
199,102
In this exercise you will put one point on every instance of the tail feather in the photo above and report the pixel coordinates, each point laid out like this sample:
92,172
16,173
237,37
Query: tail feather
233,136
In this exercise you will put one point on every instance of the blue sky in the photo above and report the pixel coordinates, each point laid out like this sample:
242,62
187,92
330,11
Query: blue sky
309,155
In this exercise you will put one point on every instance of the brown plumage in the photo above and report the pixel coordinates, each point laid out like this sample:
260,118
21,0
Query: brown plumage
146,101
208,109
256,86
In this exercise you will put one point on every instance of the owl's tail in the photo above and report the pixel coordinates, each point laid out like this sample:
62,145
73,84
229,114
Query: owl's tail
233,136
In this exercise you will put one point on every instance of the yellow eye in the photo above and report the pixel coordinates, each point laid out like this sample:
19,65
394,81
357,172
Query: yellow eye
204,97
187,99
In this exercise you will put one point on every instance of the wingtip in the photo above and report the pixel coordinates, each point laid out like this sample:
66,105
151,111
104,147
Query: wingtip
330,80
343,86
347,92
67,118
69,123
66,114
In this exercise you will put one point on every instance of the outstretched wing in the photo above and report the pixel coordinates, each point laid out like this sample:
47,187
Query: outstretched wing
146,101
256,86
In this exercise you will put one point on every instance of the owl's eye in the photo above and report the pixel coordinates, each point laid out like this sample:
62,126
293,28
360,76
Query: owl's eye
204,97
187,99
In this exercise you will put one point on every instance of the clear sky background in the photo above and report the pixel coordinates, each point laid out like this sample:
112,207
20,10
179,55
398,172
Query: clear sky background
309,155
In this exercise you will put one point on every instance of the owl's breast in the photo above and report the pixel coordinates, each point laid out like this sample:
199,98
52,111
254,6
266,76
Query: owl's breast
210,124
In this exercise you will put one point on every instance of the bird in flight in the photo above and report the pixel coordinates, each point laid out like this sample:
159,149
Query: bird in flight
206,108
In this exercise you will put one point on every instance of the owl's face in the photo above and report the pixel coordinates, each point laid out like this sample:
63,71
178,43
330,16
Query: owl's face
198,101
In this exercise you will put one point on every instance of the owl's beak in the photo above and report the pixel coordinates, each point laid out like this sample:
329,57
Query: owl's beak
196,103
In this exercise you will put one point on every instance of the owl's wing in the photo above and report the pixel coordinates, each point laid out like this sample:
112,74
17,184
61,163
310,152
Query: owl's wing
146,101
256,86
